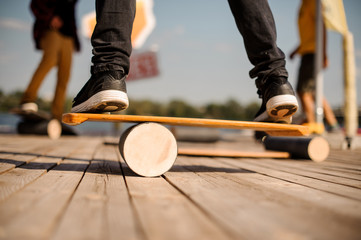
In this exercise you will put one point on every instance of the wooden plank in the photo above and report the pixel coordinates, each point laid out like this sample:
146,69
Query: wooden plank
349,187
329,169
244,201
272,171
203,198
18,151
100,207
231,153
319,172
22,152
33,212
16,179
29,144
343,168
10,161
356,169
272,128
66,145
351,157
166,213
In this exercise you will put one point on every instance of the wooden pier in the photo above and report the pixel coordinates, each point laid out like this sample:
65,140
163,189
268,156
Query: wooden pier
80,188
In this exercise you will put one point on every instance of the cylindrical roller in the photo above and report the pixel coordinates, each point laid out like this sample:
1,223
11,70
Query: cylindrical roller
314,148
149,149
52,128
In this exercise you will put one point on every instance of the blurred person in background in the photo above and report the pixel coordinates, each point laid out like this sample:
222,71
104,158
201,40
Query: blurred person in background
54,33
306,84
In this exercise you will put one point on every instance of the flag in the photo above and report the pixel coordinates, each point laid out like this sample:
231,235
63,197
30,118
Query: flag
334,16
335,19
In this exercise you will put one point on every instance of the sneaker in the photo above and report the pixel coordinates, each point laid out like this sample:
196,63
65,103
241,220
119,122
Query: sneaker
104,92
334,129
29,107
279,102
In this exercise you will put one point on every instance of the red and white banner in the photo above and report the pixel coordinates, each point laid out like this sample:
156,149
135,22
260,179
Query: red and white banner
143,65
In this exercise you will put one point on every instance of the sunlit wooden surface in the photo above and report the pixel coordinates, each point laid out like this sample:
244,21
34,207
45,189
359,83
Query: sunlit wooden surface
80,188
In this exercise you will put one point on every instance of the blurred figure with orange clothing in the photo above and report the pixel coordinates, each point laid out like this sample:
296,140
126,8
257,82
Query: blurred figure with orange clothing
306,84
54,33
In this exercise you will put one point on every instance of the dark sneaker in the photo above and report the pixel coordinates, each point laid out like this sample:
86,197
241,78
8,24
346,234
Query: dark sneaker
104,92
279,102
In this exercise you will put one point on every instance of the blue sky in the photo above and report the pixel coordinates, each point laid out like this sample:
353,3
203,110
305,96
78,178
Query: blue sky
201,53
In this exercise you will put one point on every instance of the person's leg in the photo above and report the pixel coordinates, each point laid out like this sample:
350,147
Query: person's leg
308,106
255,22
64,67
49,44
306,87
111,40
330,116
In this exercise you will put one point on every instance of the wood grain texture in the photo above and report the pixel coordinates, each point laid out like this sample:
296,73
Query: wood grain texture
149,149
206,152
100,207
274,129
165,213
89,192
240,199
47,197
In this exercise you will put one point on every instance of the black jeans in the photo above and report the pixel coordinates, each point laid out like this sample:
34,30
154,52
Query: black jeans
112,44
111,39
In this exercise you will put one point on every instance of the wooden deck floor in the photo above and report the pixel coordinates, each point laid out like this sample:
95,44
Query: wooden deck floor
79,188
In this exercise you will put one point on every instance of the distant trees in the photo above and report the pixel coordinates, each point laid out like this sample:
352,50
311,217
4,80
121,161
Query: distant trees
9,101
230,110
12,100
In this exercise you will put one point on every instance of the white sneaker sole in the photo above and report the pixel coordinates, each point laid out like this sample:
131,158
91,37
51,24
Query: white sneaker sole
279,109
29,107
104,101
282,106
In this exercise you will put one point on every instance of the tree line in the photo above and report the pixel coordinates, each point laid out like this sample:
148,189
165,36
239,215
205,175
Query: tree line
230,109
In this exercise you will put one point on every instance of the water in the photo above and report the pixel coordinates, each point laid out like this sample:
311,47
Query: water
8,123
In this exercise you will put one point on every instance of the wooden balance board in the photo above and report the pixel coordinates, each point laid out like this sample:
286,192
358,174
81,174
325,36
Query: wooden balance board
150,149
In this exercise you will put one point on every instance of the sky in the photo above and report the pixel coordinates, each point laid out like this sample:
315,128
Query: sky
201,56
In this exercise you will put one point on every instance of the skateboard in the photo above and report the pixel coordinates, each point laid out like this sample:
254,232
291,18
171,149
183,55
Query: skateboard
150,149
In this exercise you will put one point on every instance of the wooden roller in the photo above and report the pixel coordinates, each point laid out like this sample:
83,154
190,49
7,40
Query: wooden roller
149,149
51,128
314,148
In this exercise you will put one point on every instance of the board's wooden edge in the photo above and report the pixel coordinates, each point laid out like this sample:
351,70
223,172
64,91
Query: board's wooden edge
231,153
74,118
275,129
